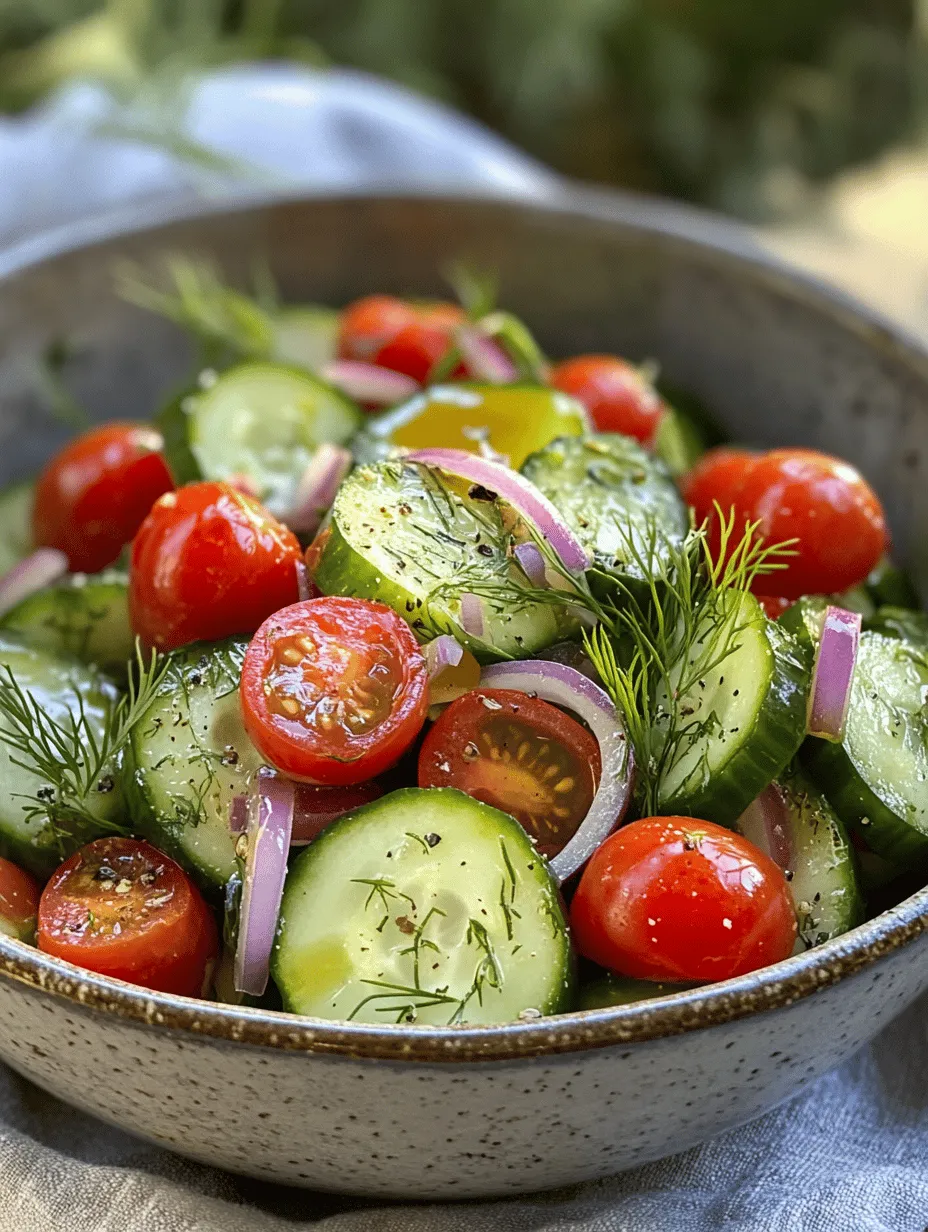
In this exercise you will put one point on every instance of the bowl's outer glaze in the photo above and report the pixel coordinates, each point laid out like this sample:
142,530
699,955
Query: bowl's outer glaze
534,1105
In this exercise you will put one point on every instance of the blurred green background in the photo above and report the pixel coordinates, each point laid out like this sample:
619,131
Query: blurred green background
744,105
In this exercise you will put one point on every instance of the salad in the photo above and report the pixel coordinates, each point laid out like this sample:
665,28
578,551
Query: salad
397,674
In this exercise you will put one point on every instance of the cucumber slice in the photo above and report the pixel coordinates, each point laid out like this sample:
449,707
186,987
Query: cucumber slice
401,534
678,442
515,420
877,777
85,616
812,846
612,494
15,523
260,420
609,989
306,337
190,755
748,719
804,620
901,622
426,906
59,687
890,586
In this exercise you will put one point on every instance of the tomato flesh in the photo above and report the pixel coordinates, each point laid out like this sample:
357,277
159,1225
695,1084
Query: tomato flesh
678,899
208,562
616,394
334,690
93,496
518,754
123,909
19,901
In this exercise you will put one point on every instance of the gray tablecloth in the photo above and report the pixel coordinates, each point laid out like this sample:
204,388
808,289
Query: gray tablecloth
851,1153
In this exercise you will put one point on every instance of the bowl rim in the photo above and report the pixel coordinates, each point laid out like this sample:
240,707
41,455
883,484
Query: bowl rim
770,988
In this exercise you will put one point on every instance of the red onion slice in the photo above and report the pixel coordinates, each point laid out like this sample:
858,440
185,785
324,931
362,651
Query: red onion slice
484,358
518,492
532,564
565,686
442,653
472,614
766,824
318,487
369,383
270,826
238,814
833,676
303,584
38,570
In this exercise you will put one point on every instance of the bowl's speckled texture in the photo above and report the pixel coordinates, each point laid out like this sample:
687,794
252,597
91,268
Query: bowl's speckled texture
418,1112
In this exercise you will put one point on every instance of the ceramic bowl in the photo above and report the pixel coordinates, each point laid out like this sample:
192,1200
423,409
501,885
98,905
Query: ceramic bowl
420,1112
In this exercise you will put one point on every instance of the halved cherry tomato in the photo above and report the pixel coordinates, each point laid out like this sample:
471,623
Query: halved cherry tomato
93,495
121,908
334,690
618,397
678,899
208,562
717,479
774,605
19,901
828,507
369,323
519,754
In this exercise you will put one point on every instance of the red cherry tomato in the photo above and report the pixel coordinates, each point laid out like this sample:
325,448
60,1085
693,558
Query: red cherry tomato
415,350
520,755
208,562
615,393
19,901
93,495
334,690
678,899
774,606
317,807
718,479
369,323
121,908
828,507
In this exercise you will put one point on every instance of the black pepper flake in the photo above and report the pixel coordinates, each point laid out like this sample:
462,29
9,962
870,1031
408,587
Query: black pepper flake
433,839
484,549
478,492
105,784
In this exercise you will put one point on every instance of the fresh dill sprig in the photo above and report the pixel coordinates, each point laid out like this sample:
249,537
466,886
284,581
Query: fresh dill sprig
669,633
77,758
476,290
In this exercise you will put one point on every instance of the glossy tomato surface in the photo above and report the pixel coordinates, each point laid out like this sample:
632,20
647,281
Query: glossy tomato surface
715,484
94,495
678,899
519,754
334,690
616,394
208,562
19,901
369,323
121,908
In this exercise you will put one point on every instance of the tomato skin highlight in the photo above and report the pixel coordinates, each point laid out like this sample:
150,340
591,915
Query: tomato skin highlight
617,396
19,901
334,690
207,562
678,899
718,479
499,745
774,605
92,497
123,909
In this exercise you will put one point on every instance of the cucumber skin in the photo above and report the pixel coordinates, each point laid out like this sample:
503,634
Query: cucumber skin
609,989
782,729
171,421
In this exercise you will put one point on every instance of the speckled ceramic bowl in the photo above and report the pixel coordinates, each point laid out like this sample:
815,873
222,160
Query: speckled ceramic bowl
418,1112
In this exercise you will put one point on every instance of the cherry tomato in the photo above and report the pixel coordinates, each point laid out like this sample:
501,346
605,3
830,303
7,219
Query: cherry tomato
774,605
718,479
369,323
317,807
19,901
208,562
519,754
617,396
678,899
93,495
121,908
418,346
828,507
334,690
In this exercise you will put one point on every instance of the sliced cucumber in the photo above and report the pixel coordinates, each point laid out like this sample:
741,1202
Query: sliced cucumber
515,420
609,989
804,620
901,622
747,717
678,442
85,616
877,777
612,494
60,689
808,840
15,523
260,420
190,755
426,906
403,535
305,336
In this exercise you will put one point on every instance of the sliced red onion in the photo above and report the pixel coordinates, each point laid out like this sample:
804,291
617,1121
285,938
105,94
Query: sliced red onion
484,358
766,824
369,383
270,827
565,686
833,676
38,570
238,814
318,487
518,492
442,653
303,584
532,564
317,807
472,614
